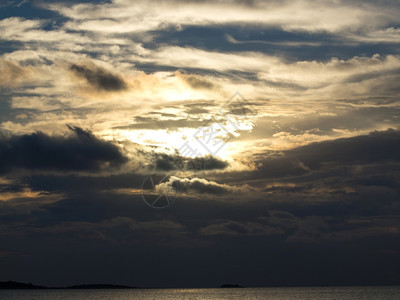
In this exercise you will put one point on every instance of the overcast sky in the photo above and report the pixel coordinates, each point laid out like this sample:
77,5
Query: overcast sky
270,129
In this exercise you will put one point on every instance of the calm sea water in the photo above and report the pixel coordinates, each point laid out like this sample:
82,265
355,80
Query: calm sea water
329,293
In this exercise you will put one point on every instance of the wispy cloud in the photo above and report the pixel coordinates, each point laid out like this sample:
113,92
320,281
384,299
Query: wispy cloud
293,15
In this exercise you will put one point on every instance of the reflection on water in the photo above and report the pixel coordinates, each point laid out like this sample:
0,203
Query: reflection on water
309,293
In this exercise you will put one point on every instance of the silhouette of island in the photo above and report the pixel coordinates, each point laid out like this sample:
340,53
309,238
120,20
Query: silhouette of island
13,285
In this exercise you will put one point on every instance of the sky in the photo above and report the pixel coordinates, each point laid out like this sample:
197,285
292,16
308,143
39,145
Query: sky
196,143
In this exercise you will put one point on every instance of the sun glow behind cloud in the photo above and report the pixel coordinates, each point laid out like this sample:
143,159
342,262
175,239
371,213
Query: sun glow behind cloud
291,109
146,81
178,140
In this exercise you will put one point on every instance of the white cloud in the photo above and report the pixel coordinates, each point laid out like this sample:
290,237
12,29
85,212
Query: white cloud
19,29
330,16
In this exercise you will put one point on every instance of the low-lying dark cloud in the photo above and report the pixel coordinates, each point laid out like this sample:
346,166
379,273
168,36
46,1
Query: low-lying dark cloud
175,162
236,228
167,162
99,78
79,151
376,147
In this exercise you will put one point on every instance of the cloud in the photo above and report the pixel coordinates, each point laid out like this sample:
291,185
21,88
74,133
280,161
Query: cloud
376,147
61,183
166,162
379,146
196,81
211,60
15,28
195,185
384,35
116,231
235,228
199,186
12,74
31,31
155,122
99,78
120,16
315,229
321,75
340,79
331,79
79,151
208,162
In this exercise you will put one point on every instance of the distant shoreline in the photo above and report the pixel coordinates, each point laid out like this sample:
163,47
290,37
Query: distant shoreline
14,285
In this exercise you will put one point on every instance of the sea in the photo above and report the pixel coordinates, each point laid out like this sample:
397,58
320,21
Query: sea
273,293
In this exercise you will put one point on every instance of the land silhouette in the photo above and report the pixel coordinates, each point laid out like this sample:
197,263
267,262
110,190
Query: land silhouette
13,285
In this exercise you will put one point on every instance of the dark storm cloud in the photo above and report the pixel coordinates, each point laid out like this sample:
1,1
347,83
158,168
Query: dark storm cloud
377,147
79,151
167,162
99,78
209,162
339,181
116,222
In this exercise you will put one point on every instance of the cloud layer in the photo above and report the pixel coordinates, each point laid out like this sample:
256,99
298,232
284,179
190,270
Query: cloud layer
303,97
79,151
